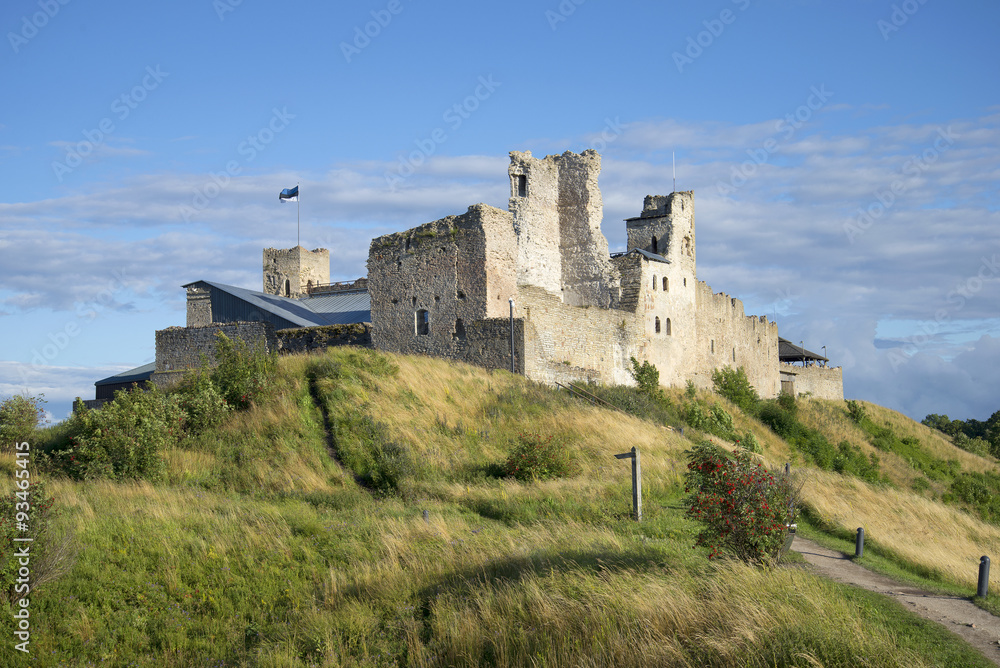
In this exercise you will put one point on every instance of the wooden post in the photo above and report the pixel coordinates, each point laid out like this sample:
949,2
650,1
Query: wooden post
636,482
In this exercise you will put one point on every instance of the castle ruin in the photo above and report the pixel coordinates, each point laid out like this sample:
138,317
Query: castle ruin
579,313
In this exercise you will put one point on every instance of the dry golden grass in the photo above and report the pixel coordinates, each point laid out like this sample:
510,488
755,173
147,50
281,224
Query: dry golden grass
920,530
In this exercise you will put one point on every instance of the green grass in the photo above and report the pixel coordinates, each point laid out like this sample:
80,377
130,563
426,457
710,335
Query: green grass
265,546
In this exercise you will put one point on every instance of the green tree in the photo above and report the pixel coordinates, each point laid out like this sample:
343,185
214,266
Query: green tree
20,415
734,385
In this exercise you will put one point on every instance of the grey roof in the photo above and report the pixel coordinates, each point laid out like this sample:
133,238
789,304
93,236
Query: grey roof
651,256
645,253
136,375
338,308
789,352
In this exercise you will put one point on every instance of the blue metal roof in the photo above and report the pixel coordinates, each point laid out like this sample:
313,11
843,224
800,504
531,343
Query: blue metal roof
136,375
338,308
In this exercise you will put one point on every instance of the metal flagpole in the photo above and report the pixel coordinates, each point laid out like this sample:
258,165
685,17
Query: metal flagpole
298,218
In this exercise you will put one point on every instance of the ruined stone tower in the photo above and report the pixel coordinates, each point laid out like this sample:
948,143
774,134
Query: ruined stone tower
557,210
290,272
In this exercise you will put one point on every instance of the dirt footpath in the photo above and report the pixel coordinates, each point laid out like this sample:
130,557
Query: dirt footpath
976,626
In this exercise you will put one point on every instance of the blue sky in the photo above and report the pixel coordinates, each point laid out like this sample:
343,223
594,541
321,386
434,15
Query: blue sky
843,157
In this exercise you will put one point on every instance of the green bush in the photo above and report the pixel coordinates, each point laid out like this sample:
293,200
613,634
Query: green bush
856,411
243,373
749,442
744,509
124,439
20,415
25,513
646,376
734,385
203,404
537,457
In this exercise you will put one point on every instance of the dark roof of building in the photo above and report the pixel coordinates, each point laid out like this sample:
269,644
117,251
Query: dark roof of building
789,352
338,308
136,375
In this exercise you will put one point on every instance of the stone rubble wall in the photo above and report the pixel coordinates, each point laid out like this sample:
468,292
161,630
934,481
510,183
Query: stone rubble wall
459,270
183,347
819,382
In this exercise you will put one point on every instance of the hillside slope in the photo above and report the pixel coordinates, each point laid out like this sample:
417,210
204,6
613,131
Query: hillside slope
294,534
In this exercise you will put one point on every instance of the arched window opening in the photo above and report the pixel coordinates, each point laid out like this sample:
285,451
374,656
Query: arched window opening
288,288
654,282
669,332
657,325
654,244
666,285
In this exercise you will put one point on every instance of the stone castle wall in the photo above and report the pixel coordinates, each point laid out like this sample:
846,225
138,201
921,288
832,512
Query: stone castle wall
184,347
427,285
817,381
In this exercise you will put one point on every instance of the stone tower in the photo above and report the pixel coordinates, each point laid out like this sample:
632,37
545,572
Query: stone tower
666,227
557,210
291,272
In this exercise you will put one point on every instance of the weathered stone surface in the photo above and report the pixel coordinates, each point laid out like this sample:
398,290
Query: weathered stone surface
307,339
290,272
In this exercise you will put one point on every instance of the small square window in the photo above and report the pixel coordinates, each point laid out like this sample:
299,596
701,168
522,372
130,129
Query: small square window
522,185
422,322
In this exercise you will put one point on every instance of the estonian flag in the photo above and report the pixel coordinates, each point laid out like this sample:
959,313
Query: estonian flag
290,194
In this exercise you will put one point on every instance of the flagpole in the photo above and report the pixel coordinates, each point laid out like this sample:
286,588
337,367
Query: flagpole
298,217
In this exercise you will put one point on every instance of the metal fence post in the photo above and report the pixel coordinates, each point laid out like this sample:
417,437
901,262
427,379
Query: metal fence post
984,577
859,543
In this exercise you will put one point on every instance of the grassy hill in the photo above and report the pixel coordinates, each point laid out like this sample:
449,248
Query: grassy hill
294,535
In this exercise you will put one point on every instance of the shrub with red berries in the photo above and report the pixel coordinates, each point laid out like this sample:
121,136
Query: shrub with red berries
745,509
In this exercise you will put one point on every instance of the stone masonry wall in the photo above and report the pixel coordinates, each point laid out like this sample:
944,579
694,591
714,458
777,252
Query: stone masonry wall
199,307
427,285
564,343
306,339
726,337
182,347
819,382
296,268
557,208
